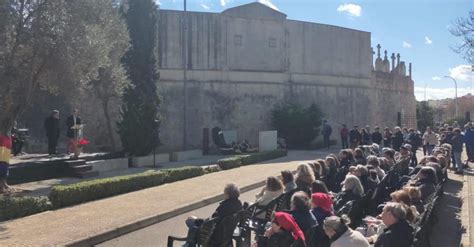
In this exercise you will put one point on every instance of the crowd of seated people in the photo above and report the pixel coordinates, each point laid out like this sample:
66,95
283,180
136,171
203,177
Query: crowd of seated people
371,195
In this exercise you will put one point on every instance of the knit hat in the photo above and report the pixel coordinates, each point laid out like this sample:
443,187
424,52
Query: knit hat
322,200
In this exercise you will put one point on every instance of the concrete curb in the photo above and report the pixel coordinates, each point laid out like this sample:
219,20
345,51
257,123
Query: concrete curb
142,223
465,214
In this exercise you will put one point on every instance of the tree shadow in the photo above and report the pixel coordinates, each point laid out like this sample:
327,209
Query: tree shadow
4,233
448,228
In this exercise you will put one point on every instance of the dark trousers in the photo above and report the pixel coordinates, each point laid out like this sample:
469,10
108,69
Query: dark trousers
16,147
470,152
344,142
52,144
414,160
326,141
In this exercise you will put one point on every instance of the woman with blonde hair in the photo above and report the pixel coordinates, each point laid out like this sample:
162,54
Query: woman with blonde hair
330,178
304,177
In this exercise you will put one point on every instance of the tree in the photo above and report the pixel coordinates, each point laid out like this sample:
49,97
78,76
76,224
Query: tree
424,115
464,28
297,124
48,45
138,127
111,79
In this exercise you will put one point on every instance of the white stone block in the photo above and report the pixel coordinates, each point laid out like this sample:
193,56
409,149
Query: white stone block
148,160
109,165
230,136
267,140
186,155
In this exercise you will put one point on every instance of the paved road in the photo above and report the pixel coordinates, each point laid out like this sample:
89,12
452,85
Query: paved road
156,235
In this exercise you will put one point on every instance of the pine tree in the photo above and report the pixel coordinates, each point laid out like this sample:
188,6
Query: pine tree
138,127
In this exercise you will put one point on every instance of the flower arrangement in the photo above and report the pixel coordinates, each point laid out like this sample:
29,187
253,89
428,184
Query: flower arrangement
82,142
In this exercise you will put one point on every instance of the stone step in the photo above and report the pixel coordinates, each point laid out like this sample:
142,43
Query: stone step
86,174
73,163
81,168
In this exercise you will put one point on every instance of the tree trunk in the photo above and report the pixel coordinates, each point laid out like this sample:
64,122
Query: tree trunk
105,108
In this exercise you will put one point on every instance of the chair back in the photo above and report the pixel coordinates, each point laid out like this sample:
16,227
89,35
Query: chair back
224,230
205,231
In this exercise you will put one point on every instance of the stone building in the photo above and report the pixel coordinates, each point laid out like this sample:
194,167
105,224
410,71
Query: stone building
239,64
229,69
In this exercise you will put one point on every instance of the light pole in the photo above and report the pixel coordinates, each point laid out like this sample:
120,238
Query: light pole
455,93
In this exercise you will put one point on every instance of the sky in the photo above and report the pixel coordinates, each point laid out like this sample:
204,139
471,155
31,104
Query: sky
417,29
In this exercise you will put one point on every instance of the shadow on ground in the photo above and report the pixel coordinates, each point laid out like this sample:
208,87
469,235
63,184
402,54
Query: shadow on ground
448,228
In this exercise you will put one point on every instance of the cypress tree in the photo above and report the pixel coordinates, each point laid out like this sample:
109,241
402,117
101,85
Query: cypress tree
138,127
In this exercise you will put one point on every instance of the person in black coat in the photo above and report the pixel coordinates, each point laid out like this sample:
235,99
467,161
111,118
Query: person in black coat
229,206
397,139
51,127
398,232
355,137
377,136
71,121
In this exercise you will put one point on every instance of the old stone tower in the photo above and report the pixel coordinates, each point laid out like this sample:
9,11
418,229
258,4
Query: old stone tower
229,69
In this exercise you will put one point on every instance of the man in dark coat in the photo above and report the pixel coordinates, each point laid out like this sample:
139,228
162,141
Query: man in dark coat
51,127
397,139
326,132
71,121
377,136
355,137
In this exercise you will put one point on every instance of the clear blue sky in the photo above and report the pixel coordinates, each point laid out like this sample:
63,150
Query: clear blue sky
417,29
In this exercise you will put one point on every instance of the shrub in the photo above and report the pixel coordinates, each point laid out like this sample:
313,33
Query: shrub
212,169
177,174
262,156
229,163
16,207
66,195
319,144
297,124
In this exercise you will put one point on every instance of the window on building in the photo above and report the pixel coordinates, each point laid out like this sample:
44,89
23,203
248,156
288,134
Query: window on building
238,40
272,42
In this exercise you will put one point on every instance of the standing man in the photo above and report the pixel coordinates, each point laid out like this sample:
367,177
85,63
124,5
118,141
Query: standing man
469,140
457,141
377,136
72,134
326,131
387,137
355,136
415,141
430,140
51,126
344,135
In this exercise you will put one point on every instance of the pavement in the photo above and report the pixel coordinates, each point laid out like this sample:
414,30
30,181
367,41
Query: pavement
98,221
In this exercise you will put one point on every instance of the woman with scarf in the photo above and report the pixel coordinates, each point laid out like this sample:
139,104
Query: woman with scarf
284,232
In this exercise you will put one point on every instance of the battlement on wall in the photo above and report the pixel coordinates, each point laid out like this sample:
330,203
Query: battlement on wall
392,82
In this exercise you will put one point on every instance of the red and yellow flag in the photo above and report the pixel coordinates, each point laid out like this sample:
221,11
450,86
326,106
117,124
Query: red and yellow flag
5,151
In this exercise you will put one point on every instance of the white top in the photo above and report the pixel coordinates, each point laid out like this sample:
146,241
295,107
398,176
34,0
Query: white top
351,239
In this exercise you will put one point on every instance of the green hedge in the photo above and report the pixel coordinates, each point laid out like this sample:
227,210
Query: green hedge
262,156
16,207
66,195
229,163
242,160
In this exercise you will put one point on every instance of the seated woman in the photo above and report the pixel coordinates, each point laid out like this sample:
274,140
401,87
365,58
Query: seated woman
230,205
330,178
288,181
352,190
426,182
304,177
300,211
319,186
398,232
321,204
283,232
375,163
402,196
362,173
359,157
341,235
415,198
273,188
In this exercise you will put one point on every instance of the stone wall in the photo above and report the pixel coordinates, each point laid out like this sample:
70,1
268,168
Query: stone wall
243,61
